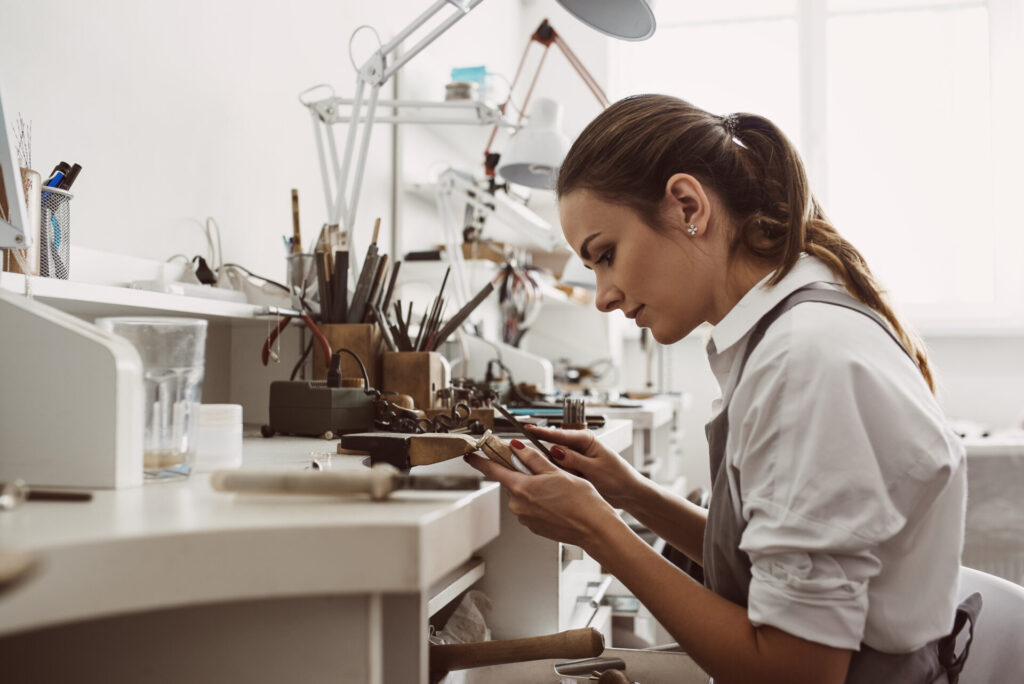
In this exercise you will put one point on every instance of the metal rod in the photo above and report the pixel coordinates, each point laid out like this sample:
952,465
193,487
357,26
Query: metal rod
324,177
332,144
428,39
413,25
342,181
519,427
357,180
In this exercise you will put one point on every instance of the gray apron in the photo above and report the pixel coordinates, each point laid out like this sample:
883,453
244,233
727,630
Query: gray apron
727,569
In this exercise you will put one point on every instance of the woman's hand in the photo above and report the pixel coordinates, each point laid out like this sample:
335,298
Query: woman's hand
551,502
580,451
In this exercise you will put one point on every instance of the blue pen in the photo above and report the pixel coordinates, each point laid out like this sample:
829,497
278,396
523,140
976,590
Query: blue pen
56,176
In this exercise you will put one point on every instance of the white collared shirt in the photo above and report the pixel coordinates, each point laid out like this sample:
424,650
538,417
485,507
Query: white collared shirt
851,484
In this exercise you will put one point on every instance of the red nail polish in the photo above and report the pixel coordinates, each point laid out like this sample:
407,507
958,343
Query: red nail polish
517,445
558,452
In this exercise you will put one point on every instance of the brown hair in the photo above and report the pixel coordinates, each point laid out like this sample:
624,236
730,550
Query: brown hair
627,154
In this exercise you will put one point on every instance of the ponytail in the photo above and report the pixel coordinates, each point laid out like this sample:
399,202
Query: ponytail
807,229
627,154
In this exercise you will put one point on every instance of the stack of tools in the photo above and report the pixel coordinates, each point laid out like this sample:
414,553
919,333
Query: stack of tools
431,333
374,286
332,275
574,414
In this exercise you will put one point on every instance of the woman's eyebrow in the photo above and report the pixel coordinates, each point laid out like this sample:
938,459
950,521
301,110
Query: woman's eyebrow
584,252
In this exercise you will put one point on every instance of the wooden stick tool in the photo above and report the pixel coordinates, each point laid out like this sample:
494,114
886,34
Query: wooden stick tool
574,643
379,482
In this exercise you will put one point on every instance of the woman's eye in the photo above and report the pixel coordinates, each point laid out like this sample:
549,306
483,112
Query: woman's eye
607,256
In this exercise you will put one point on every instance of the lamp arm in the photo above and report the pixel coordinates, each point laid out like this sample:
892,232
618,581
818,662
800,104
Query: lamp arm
374,73
587,77
448,185
546,36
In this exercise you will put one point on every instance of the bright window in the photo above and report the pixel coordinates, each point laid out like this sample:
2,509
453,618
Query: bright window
905,112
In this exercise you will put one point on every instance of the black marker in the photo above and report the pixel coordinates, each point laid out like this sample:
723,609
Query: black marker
70,177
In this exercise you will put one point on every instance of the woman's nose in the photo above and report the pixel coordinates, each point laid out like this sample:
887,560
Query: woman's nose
608,297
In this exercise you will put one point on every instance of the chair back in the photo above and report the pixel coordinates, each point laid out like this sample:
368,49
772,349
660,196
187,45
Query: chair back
997,652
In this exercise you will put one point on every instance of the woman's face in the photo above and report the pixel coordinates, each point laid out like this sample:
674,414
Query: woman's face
659,278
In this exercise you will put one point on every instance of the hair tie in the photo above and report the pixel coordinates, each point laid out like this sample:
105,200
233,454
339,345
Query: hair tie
731,124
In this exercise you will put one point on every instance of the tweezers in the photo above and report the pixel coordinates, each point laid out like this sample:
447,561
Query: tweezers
519,427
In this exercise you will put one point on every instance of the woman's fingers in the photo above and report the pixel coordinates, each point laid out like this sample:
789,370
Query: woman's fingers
572,460
494,471
580,440
531,458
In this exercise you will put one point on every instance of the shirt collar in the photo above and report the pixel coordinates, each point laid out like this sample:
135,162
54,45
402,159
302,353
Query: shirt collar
762,297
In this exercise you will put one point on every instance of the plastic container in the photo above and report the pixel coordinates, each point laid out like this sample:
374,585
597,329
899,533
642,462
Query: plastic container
173,352
219,437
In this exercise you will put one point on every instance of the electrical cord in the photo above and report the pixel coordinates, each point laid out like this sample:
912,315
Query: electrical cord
302,359
334,372
249,273
352,38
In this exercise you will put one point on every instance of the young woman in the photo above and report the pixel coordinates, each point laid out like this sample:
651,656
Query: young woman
832,545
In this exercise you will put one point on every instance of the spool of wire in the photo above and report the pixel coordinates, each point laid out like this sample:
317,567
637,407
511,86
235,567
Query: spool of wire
574,414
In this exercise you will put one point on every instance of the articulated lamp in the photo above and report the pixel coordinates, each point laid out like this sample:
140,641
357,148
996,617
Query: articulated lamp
626,19
536,151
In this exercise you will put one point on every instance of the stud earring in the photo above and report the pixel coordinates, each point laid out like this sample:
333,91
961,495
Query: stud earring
692,230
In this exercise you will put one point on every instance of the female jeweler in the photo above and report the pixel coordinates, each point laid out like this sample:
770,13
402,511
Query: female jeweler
832,544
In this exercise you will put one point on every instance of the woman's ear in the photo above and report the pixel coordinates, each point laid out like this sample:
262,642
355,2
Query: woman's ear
688,203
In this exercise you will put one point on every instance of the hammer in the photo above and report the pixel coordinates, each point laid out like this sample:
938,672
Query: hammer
574,643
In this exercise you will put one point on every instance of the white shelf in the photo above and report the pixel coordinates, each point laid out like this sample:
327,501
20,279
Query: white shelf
454,583
89,300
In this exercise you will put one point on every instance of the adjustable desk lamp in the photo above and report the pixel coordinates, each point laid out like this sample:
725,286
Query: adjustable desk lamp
534,153
626,19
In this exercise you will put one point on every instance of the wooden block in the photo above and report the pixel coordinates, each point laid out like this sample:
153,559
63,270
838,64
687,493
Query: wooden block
364,339
418,374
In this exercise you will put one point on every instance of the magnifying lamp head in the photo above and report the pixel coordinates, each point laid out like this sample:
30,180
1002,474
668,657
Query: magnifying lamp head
625,19
535,153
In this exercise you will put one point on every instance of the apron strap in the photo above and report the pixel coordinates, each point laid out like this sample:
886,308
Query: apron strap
966,615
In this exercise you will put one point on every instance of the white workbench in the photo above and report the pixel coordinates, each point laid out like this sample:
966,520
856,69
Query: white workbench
174,581
165,570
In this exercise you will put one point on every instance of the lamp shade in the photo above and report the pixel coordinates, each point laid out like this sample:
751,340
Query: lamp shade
534,154
625,19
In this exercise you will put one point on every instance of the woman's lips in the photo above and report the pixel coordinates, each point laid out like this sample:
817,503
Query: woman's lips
639,312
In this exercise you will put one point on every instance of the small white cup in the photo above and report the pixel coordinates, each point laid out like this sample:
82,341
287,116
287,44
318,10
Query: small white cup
219,437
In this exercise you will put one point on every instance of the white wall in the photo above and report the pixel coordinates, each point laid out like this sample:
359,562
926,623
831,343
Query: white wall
187,109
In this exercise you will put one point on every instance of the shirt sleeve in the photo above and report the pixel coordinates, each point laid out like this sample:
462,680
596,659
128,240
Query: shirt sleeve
815,452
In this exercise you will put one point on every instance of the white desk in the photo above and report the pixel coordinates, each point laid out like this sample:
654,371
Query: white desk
347,584
170,582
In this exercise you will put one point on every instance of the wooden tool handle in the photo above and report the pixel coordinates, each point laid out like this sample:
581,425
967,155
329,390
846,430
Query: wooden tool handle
378,481
436,447
613,677
575,643
296,232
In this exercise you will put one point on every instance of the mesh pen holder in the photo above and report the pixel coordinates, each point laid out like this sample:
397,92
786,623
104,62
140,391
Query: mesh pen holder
55,234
